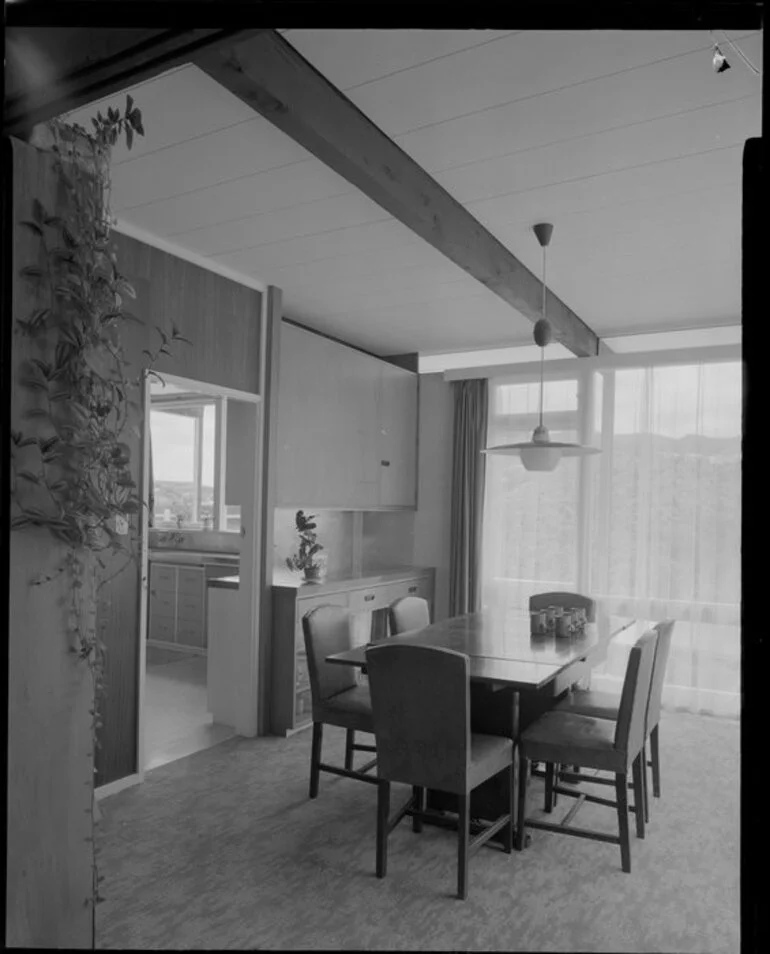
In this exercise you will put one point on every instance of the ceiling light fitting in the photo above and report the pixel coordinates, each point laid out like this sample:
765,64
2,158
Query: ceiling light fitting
719,62
541,453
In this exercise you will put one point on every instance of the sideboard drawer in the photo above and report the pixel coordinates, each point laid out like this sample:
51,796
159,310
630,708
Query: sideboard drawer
372,598
420,587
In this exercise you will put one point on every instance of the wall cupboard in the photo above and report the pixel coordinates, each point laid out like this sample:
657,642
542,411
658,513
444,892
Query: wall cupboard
347,427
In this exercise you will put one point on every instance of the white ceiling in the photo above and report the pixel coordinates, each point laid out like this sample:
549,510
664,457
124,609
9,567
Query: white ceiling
626,140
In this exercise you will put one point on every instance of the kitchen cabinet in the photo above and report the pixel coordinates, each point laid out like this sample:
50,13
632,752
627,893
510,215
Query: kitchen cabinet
177,604
291,704
347,427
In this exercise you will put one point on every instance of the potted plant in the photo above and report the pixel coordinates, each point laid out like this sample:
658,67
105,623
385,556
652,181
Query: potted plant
306,558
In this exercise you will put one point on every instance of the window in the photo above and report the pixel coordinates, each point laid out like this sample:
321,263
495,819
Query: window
530,529
651,527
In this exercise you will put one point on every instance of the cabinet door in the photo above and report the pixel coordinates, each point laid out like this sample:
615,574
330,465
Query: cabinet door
318,455
398,437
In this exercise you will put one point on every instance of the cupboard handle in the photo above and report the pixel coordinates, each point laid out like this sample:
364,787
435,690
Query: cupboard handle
412,589
370,596
385,463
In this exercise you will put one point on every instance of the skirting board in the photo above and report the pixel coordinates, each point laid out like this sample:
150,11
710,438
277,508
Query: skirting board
179,647
112,788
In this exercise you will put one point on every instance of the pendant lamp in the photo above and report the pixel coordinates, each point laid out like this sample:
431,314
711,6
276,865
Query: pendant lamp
541,453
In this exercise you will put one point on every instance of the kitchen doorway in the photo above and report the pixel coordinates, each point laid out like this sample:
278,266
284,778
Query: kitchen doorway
202,488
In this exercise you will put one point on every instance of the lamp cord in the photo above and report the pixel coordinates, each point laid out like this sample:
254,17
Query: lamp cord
542,347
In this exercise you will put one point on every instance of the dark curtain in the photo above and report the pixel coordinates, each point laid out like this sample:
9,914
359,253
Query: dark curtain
468,469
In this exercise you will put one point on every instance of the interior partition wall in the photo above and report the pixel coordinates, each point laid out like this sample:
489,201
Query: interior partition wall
651,526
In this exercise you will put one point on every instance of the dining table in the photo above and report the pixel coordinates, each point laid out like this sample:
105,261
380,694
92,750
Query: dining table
515,676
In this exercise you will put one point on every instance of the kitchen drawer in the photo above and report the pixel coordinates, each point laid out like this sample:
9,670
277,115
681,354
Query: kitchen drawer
190,633
307,604
301,676
162,603
191,580
303,708
162,628
162,577
189,606
372,598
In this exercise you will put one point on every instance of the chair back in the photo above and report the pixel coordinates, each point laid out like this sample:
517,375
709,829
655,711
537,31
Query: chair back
421,714
327,630
408,613
664,631
632,711
543,600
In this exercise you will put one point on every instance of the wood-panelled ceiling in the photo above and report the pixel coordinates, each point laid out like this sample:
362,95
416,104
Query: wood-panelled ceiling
627,141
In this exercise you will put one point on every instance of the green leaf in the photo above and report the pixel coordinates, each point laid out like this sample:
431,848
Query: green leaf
35,412
31,271
18,523
129,137
129,103
182,338
33,226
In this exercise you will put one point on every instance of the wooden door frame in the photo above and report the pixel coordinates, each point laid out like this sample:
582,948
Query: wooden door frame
250,585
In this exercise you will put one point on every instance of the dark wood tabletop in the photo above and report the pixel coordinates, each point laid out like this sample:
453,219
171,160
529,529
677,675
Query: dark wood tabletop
501,648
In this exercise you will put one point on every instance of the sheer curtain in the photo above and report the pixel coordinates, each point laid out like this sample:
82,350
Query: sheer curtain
651,527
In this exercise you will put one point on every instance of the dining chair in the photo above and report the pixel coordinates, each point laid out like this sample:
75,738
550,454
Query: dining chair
408,613
567,600
421,708
612,746
605,705
336,695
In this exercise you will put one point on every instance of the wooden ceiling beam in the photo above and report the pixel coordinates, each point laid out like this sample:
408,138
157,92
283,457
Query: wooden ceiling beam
53,70
269,75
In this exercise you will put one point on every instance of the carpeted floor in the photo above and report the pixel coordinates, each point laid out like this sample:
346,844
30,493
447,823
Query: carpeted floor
224,850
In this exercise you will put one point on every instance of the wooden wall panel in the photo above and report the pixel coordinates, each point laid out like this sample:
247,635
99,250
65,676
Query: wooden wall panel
218,315
49,745
119,600
221,319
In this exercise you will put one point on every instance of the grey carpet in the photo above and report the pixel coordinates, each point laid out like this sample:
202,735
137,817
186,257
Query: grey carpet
225,850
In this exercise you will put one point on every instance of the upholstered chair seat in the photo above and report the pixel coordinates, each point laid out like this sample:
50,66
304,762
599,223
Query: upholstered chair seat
605,705
603,744
351,709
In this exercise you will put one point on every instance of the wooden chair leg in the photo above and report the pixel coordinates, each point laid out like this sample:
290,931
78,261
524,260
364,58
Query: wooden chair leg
350,741
463,841
315,758
621,797
654,758
645,786
548,787
522,806
637,770
383,814
418,795
509,828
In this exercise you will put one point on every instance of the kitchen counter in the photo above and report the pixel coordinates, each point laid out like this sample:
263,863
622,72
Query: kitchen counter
225,582
193,557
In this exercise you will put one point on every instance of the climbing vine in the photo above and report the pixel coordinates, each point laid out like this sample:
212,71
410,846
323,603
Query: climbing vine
70,462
